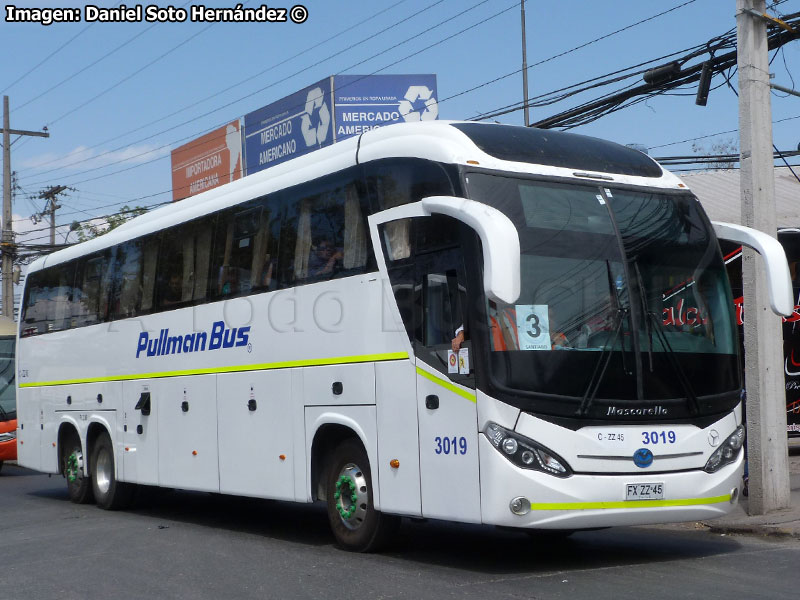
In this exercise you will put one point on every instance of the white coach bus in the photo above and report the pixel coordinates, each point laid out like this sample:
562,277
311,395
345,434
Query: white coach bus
462,321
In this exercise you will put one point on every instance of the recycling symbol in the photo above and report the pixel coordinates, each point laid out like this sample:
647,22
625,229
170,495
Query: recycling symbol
419,104
314,102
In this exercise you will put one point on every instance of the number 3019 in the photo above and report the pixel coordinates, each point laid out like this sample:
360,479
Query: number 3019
451,445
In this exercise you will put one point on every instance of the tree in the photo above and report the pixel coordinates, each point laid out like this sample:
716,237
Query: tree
721,155
102,225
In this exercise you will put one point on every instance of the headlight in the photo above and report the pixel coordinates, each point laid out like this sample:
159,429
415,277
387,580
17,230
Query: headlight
525,453
727,452
7,437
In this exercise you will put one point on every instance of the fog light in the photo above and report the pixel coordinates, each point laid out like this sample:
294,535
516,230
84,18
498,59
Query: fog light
734,495
520,505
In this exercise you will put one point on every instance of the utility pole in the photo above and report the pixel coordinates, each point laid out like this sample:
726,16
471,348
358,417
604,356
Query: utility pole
50,195
766,406
7,240
524,66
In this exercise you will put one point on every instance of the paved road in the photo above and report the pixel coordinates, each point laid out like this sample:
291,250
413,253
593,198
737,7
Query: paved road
200,546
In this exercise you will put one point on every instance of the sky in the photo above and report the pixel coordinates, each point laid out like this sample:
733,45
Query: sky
117,97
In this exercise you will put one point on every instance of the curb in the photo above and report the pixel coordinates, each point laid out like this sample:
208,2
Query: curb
771,531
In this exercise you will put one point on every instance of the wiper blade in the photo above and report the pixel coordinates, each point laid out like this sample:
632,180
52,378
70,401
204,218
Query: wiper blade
651,321
595,381
643,299
605,359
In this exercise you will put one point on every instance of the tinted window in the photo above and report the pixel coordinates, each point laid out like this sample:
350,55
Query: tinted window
183,264
558,149
324,234
126,291
90,297
246,249
399,181
47,305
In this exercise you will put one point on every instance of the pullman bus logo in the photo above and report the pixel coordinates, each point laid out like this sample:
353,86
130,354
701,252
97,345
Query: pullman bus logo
200,341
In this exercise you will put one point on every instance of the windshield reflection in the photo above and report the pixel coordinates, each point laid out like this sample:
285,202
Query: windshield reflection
624,295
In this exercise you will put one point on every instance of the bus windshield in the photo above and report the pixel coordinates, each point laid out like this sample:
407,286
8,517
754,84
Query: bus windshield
8,406
624,301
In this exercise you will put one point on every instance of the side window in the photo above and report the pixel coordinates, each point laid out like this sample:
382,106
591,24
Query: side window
439,309
90,298
245,250
47,300
183,264
126,291
325,232
394,182
401,181
149,250
319,250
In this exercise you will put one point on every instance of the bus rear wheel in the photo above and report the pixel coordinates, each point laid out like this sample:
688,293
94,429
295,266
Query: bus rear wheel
79,487
109,493
355,523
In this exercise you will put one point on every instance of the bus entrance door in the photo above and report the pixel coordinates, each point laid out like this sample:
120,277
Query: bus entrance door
446,401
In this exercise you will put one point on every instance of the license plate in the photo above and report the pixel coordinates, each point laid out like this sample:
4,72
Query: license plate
644,491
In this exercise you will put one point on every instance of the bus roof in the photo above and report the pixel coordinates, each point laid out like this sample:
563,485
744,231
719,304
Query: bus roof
451,142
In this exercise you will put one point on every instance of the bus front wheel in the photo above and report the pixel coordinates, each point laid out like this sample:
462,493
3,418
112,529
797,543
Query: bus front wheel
356,525
109,493
79,487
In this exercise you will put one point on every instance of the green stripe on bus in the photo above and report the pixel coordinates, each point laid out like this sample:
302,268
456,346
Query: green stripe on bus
316,362
447,385
629,503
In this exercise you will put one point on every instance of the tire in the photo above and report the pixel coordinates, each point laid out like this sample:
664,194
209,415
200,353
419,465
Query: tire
79,487
1,465
356,525
109,493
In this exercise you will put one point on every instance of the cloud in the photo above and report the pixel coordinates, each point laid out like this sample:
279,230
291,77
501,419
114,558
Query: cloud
83,158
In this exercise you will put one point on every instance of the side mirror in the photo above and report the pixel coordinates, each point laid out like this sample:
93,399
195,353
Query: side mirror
779,281
499,237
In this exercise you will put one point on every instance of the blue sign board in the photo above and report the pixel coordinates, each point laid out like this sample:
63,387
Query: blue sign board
364,102
289,127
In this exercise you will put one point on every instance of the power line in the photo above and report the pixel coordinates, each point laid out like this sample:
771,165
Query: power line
566,52
665,78
228,88
46,58
406,57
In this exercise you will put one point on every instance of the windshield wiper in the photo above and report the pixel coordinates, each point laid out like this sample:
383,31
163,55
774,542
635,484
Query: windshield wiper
652,324
605,359
643,299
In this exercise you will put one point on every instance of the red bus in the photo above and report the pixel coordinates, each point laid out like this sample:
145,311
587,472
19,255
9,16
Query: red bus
8,404
790,240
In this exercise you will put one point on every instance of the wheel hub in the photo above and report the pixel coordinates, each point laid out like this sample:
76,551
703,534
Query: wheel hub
103,472
351,496
74,466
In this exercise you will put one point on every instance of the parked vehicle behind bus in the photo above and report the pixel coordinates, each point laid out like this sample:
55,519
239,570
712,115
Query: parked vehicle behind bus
789,238
8,405
292,335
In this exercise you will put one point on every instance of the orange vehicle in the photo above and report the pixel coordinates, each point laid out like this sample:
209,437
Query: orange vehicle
8,404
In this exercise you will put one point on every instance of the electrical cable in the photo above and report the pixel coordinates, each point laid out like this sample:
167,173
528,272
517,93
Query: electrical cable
406,57
254,77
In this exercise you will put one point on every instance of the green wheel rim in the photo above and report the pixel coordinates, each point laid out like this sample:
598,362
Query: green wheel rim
72,467
346,490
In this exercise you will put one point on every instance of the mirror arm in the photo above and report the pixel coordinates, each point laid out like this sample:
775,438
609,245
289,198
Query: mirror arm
779,281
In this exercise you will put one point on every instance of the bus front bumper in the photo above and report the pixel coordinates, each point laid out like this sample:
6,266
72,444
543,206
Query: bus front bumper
585,501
